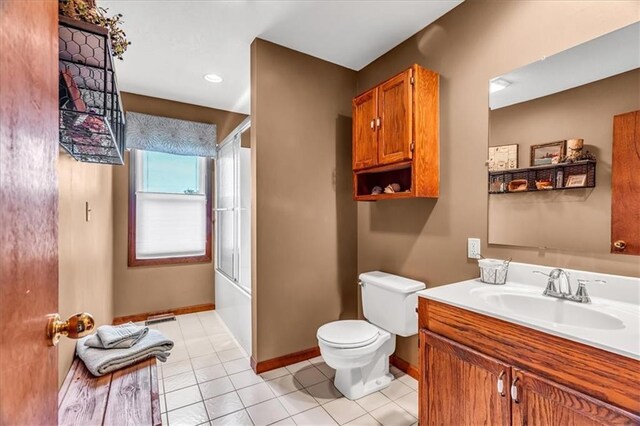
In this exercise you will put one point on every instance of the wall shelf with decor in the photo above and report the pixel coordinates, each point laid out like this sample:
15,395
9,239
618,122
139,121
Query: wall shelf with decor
580,174
395,138
91,113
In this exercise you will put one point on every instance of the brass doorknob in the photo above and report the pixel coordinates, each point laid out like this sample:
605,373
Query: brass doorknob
78,325
620,245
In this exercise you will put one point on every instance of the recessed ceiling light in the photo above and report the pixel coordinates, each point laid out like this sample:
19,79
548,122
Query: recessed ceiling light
213,78
498,84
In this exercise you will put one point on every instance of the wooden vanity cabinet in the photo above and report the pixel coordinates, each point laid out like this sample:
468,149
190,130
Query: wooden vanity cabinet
395,136
480,370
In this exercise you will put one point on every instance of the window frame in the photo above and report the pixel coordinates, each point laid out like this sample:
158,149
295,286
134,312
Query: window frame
133,260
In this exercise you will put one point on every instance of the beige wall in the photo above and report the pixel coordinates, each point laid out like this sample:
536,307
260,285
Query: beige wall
304,231
478,40
146,289
581,218
85,248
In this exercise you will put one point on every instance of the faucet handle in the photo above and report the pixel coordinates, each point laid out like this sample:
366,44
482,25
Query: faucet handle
581,293
541,273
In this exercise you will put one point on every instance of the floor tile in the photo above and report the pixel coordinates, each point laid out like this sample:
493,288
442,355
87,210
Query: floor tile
409,403
191,415
239,418
255,394
344,410
165,420
205,361
223,405
182,397
236,366
326,370
163,404
285,422
396,389
199,347
365,420
179,367
244,379
216,387
297,402
210,373
392,415
179,381
294,368
409,381
395,371
316,360
309,376
373,401
223,343
274,374
178,353
267,412
324,392
316,416
283,385
230,355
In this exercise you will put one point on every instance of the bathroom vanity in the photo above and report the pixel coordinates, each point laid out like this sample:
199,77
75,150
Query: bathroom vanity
507,354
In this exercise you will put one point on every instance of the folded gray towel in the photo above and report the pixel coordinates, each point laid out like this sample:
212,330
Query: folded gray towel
103,361
117,336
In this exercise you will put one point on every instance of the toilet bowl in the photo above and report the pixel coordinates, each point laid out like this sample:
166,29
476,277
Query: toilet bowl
359,350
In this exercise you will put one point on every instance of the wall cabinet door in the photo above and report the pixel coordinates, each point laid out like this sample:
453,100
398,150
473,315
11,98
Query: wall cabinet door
396,117
537,401
365,135
461,386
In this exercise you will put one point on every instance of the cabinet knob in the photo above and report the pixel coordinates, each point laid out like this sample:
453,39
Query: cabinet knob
373,123
620,245
514,391
501,383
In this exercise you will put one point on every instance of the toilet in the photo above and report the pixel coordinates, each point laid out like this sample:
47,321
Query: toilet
359,350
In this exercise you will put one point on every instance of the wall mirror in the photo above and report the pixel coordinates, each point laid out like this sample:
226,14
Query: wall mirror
563,105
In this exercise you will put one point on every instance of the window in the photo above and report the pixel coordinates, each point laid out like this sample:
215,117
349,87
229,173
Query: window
169,209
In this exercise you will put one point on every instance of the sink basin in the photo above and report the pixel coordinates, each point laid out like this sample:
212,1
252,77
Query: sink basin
548,309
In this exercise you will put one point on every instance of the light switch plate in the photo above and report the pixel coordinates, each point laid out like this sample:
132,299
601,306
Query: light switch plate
473,248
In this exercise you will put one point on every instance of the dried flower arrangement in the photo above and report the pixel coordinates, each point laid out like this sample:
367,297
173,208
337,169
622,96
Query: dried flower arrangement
580,157
87,11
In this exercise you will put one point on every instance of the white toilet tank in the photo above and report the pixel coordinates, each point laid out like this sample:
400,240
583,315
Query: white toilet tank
390,301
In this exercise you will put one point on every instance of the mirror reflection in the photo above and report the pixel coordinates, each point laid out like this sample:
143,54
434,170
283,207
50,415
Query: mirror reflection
550,144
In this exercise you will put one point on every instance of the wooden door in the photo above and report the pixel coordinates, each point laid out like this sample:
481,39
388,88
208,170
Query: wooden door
460,385
538,401
395,114
365,136
28,210
625,184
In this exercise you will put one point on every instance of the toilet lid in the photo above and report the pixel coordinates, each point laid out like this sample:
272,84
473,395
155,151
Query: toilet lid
348,333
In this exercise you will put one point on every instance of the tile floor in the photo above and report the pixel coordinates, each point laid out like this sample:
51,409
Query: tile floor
208,380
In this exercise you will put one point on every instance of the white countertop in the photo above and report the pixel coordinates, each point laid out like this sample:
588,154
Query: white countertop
615,303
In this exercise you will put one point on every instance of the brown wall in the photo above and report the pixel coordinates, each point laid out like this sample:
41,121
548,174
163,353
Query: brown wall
146,289
85,248
478,40
577,219
304,231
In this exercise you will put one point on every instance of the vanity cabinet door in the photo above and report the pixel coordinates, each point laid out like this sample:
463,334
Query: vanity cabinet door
396,118
537,401
365,135
461,386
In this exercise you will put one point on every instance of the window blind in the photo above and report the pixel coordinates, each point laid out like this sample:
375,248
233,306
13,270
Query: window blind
170,225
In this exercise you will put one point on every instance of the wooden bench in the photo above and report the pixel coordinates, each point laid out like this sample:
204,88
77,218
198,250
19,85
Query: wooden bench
125,397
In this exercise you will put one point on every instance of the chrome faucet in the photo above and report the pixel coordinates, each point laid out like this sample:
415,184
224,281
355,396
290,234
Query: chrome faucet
555,276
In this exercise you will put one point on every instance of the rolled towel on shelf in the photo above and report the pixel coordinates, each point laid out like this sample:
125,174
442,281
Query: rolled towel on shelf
103,361
117,336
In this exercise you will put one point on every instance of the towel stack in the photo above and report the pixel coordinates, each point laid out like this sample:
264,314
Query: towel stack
115,347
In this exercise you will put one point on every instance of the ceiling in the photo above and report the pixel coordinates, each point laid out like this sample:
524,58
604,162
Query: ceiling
176,42
602,57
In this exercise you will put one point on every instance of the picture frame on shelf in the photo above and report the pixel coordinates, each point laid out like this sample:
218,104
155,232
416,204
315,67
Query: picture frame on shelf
547,153
503,157
575,181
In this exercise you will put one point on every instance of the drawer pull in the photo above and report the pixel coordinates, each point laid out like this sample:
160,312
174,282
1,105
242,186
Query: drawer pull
514,390
501,383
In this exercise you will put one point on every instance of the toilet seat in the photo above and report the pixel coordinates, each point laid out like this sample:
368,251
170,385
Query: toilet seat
348,334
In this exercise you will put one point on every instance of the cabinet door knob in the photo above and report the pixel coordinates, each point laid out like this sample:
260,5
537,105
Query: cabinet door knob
501,383
620,245
378,121
373,123
514,390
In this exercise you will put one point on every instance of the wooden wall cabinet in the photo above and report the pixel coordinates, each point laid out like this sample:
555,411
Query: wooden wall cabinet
395,137
528,379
